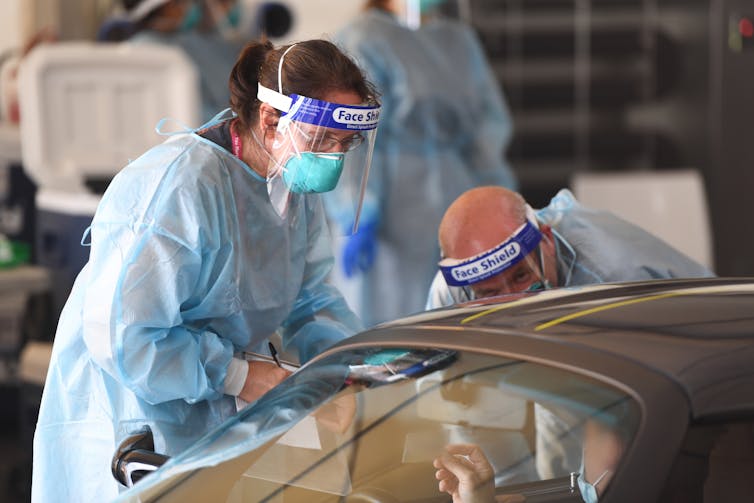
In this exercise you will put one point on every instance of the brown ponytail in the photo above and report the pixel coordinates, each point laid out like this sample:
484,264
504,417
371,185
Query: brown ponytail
243,82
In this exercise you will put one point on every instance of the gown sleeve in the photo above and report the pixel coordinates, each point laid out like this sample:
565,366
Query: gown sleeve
320,316
151,289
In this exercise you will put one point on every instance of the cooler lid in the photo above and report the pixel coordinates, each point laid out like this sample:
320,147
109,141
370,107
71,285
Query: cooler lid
88,108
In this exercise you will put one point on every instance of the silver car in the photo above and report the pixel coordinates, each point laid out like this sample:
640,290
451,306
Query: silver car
638,392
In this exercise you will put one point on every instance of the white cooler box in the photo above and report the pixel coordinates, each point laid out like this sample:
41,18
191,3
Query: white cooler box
87,109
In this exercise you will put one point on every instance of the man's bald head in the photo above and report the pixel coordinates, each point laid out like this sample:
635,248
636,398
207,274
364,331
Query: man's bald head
480,219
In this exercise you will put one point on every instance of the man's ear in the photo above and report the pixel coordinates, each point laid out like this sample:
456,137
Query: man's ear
548,242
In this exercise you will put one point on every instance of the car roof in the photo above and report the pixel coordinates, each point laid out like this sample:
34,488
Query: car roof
697,332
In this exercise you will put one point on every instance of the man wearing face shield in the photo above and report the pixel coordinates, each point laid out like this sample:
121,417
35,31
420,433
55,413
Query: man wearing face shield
202,250
493,243
445,129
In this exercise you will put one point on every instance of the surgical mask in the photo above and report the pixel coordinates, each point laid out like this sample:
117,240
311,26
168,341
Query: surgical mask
309,172
192,18
537,286
233,17
426,5
589,491
227,22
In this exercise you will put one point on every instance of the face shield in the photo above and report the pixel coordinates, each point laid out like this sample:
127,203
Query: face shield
515,265
317,145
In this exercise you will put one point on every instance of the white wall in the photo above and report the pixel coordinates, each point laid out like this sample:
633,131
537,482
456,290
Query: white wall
315,18
21,19
10,24
78,19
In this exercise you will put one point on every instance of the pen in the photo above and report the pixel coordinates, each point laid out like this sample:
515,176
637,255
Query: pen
274,353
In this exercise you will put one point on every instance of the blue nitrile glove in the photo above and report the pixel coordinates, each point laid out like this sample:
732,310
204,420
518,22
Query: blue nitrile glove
360,249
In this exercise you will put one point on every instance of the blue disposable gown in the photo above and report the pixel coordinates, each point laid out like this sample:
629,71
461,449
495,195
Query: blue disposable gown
189,264
444,128
212,55
592,247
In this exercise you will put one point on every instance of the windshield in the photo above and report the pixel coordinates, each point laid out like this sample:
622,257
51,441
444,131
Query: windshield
370,423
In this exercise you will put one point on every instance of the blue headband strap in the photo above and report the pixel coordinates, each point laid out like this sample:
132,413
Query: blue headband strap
332,115
319,112
494,261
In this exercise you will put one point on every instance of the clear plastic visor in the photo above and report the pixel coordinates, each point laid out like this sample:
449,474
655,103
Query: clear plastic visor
319,146
525,276
515,265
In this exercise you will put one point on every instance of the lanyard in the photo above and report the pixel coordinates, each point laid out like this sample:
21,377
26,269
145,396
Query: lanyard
236,142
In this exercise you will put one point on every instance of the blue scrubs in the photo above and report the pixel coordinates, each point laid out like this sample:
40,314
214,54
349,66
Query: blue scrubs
444,129
189,265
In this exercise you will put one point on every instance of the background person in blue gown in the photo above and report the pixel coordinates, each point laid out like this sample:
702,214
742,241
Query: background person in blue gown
445,128
203,30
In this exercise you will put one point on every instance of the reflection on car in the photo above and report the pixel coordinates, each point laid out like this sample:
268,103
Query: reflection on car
643,391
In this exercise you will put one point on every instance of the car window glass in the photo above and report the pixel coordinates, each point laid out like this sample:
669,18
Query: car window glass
398,409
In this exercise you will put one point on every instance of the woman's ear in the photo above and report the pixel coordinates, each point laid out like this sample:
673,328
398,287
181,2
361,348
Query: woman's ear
268,116
268,122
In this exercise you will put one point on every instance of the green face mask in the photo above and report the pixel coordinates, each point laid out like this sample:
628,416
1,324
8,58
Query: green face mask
425,5
536,286
192,18
233,18
309,172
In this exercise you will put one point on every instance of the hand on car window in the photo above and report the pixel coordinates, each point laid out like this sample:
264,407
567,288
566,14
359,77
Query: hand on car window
464,472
